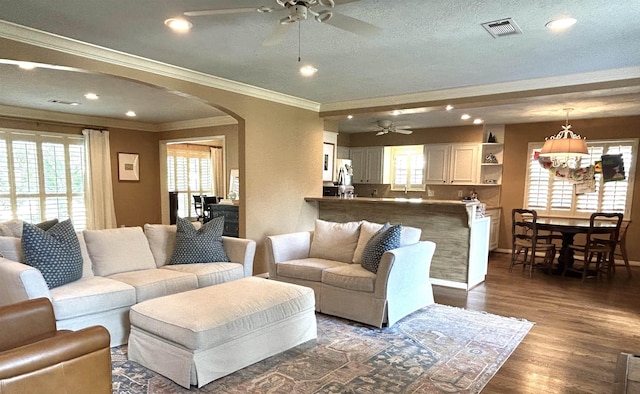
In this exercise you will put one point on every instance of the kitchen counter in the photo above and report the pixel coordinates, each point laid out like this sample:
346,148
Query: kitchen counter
462,239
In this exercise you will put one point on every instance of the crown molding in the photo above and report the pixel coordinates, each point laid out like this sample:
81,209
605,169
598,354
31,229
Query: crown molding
70,46
101,122
604,76
81,120
196,123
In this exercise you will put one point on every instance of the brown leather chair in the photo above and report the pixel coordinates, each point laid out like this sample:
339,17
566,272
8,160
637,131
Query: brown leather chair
35,357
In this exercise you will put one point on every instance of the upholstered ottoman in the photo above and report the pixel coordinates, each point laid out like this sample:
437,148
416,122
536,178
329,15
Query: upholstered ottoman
200,335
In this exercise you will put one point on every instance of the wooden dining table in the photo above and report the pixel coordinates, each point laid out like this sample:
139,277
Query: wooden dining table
569,228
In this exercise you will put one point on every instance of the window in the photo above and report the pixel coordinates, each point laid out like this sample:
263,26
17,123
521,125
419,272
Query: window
555,196
407,167
189,173
42,177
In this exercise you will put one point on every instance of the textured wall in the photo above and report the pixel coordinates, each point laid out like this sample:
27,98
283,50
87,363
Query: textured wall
446,225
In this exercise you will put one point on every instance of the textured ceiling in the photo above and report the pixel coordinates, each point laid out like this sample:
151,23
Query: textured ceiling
423,46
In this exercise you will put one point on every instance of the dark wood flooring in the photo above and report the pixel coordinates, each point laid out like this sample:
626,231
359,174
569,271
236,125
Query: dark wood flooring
580,328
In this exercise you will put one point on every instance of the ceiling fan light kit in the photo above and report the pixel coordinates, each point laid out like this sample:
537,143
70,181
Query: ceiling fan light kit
298,11
387,126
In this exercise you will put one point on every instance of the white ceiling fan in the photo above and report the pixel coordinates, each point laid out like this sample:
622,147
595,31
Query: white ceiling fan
300,10
387,126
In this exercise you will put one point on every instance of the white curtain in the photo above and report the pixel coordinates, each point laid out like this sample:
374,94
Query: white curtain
101,213
217,170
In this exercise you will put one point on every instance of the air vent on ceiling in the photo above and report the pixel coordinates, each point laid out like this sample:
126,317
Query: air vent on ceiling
502,27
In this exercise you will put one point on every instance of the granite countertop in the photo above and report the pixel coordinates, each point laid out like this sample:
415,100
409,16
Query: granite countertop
394,200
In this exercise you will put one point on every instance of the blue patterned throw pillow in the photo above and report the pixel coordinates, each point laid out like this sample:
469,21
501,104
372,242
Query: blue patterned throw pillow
203,245
54,252
387,238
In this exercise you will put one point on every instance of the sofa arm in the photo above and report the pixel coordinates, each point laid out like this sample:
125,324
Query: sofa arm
67,362
404,268
240,250
287,247
20,282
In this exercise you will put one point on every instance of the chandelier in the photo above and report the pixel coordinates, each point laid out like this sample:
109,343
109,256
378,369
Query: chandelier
566,148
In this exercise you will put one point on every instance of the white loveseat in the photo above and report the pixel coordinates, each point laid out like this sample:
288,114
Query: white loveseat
330,265
121,267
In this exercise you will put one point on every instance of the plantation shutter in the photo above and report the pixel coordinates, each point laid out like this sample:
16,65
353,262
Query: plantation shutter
552,195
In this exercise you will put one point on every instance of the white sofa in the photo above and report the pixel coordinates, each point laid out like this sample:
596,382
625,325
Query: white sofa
121,267
330,265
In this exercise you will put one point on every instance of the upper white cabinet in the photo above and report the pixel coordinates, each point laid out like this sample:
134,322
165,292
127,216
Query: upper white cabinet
451,164
367,164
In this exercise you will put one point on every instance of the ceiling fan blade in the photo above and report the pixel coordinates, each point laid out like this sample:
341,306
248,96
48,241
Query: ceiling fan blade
220,12
352,25
403,131
277,34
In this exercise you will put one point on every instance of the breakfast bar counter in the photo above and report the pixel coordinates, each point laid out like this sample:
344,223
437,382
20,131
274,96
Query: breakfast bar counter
462,239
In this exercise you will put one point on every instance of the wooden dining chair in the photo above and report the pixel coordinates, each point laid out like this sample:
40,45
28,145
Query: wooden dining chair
198,207
600,243
621,248
526,242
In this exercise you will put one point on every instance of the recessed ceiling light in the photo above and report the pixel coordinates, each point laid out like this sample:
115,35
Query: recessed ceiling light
91,96
561,24
26,66
179,25
465,116
449,107
349,116
477,121
308,70
131,114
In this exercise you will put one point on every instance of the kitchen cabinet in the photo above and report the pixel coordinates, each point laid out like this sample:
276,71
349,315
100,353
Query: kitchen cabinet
494,214
451,164
491,165
367,164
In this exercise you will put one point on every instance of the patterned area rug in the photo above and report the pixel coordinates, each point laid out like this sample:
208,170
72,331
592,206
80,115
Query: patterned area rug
438,349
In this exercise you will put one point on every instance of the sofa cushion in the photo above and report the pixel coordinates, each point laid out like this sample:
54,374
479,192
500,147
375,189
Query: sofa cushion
11,248
306,269
350,277
334,241
118,250
202,245
162,240
54,252
89,296
157,282
410,236
87,265
210,274
13,227
387,238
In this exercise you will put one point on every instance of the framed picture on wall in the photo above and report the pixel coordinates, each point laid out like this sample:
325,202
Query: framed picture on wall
327,161
128,167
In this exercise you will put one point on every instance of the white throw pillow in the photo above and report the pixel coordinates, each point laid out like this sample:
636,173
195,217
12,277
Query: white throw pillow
334,241
118,250
367,230
11,248
409,236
